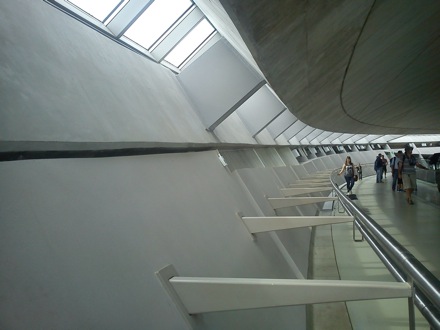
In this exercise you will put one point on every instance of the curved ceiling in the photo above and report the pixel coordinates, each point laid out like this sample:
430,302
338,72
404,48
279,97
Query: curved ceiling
349,66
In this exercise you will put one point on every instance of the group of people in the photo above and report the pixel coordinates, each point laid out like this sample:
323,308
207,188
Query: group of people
380,167
402,167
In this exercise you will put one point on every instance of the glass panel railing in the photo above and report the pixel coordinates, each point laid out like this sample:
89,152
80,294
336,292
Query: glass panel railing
399,261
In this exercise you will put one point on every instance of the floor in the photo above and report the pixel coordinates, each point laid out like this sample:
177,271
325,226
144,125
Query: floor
416,227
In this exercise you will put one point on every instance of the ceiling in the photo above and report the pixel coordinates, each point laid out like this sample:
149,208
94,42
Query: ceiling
361,66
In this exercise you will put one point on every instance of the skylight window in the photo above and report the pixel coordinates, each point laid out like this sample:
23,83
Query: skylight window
187,46
170,32
99,9
156,20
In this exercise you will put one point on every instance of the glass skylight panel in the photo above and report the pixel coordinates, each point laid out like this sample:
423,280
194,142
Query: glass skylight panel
156,20
190,43
99,9
156,28
121,5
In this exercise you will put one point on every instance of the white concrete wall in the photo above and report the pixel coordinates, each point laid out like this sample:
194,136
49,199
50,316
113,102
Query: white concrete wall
80,240
63,82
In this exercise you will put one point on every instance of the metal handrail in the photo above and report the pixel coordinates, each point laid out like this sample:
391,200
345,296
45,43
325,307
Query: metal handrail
399,261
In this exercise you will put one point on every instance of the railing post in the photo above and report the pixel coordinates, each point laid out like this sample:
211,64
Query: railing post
411,303
354,233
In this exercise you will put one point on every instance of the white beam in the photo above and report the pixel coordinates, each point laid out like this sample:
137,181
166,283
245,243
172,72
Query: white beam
314,180
129,13
264,224
178,33
310,184
278,203
203,294
321,175
299,191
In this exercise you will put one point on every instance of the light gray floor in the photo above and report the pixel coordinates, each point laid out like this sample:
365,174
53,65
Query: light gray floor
324,266
417,227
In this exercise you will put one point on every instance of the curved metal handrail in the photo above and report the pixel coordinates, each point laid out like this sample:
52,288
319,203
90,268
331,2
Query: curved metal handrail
399,261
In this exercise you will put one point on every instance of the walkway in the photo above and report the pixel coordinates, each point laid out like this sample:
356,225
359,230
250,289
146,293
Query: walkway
417,227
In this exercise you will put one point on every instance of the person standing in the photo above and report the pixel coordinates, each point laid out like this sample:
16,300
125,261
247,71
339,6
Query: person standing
349,172
394,164
384,166
407,172
378,168
359,171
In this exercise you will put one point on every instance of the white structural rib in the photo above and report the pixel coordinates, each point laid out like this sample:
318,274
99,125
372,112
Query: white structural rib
263,224
299,184
300,191
203,294
278,203
317,176
314,180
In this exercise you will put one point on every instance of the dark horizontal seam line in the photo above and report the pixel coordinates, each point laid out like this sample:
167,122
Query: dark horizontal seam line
99,153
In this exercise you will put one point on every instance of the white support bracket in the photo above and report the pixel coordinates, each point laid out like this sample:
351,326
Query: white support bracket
278,203
205,294
264,224
164,275
317,176
310,184
314,180
288,192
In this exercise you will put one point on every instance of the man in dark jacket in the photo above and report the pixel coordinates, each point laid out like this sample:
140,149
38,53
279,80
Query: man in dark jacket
378,167
394,164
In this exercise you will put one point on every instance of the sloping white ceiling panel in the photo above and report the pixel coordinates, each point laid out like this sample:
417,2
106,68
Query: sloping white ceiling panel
314,134
219,82
346,138
358,137
332,137
281,123
294,129
323,136
304,132
260,110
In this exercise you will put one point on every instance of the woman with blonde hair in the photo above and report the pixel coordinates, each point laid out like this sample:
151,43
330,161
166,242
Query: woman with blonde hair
348,170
